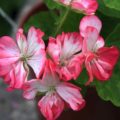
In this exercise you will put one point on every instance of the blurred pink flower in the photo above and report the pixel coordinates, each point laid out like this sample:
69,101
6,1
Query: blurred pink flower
99,60
16,57
65,52
88,7
58,94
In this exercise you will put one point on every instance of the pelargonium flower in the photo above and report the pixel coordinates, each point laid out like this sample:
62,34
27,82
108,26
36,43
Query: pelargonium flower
88,7
99,60
15,57
65,50
58,94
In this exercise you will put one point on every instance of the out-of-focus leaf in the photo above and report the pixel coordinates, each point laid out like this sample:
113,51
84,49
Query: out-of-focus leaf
110,90
43,20
108,11
51,4
114,37
115,4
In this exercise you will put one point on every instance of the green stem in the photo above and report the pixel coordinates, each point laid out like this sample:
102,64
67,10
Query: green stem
62,21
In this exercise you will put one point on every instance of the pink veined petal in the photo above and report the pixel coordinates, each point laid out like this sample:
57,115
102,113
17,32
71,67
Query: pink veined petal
35,42
54,49
72,43
64,73
37,62
90,21
99,44
109,55
21,41
71,95
30,89
50,77
101,70
88,63
73,69
9,52
91,37
89,7
18,76
51,106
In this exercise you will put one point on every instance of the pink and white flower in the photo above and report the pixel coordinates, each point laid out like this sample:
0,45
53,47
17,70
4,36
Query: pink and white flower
58,94
15,57
88,7
99,60
65,52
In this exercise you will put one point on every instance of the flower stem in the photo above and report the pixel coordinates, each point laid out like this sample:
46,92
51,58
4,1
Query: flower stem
60,24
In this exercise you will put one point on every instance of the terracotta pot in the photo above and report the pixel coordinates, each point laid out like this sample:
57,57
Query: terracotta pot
95,109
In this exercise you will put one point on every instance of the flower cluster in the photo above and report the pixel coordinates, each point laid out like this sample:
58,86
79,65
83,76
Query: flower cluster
61,61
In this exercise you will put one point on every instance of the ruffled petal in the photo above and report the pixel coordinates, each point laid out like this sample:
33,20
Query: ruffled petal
71,95
51,106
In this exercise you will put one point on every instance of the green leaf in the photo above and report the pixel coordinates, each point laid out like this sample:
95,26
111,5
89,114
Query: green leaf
114,4
110,90
43,20
108,11
52,4
114,37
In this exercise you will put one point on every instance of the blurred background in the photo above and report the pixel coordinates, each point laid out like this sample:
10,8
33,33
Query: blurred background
13,106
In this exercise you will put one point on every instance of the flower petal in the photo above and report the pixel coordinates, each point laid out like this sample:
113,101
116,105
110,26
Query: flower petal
18,76
37,62
21,41
51,106
91,37
35,42
89,21
89,7
71,95
9,52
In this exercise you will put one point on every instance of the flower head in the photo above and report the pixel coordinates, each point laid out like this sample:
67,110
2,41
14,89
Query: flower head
65,52
57,93
15,57
99,60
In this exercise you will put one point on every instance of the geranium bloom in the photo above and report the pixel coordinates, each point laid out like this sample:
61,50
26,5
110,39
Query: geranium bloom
65,52
16,57
88,7
58,94
99,60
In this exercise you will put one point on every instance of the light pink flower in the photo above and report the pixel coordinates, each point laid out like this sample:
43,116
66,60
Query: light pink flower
99,60
88,7
65,52
57,93
90,21
16,57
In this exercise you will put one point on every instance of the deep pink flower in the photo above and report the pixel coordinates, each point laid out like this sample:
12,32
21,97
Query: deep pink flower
58,94
99,60
88,7
65,52
16,57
